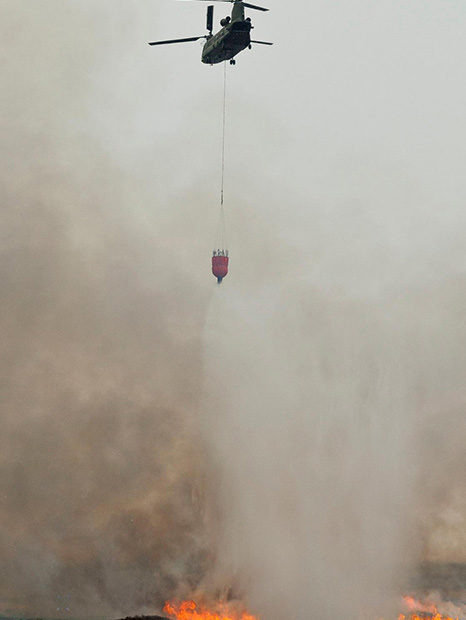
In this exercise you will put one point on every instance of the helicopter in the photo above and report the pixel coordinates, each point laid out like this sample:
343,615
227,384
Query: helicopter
233,38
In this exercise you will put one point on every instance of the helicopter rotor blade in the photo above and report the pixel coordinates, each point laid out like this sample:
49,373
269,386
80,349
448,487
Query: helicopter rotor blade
177,40
250,6
254,6
262,42
210,18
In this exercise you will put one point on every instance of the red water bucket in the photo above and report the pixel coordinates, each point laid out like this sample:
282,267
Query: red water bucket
219,267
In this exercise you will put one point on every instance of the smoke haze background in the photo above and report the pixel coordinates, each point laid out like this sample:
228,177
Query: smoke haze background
298,433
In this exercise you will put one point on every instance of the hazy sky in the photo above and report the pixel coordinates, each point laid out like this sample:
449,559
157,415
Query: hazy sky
160,434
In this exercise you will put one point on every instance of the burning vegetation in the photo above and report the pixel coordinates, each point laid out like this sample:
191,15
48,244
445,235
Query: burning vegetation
190,610
417,610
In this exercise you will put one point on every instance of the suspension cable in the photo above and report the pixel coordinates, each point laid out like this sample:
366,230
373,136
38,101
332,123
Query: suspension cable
223,129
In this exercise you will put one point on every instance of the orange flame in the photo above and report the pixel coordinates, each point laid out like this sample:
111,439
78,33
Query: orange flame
189,610
435,616
414,605
421,611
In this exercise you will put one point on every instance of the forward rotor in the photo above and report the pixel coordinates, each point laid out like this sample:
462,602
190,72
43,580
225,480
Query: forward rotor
209,26
186,40
246,4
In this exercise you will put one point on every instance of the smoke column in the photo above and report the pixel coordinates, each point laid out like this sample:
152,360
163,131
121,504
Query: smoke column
314,409
100,324
334,398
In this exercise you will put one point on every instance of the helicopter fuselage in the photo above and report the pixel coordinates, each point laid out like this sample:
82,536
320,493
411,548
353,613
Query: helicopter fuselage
232,39
228,42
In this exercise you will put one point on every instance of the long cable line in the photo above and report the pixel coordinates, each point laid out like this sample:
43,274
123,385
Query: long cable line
220,254
223,128
221,233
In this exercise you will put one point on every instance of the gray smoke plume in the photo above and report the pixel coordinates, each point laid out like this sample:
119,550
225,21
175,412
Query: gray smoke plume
320,443
297,435
100,319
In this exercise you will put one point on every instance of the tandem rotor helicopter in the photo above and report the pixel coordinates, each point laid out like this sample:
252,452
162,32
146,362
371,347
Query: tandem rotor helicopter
233,38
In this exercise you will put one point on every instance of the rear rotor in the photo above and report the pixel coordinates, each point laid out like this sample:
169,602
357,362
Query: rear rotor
210,18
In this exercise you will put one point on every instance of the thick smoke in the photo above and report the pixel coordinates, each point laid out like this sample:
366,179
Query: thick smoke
327,472
297,434
101,319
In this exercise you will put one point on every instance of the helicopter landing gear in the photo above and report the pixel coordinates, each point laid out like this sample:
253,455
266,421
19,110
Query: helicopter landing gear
232,61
